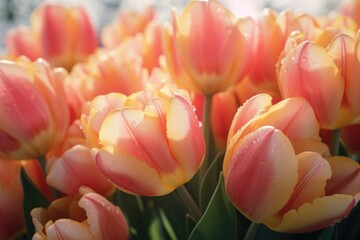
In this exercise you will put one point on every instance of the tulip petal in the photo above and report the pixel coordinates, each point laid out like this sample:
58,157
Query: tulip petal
353,83
249,110
304,145
345,177
106,221
130,173
321,213
186,141
141,133
308,71
21,41
342,50
293,116
21,102
67,229
99,108
313,172
260,172
75,169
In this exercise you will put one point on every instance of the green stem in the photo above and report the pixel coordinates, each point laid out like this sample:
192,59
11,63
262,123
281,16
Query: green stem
335,142
189,202
252,231
208,135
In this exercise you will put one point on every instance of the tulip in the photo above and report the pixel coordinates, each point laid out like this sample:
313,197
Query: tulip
351,8
117,70
86,216
152,145
127,24
206,64
61,34
327,78
34,113
271,180
11,195
74,169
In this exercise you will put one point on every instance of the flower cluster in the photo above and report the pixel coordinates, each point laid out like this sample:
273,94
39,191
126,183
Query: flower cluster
209,126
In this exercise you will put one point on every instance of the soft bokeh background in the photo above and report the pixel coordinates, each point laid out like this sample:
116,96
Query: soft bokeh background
17,12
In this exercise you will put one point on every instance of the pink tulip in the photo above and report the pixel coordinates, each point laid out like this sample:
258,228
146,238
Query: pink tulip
277,172
89,216
61,34
351,8
326,78
11,195
152,145
117,70
127,24
34,113
205,64
74,169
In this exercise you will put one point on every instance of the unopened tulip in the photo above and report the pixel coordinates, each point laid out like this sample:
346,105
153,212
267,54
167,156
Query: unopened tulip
207,49
33,108
85,216
326,77
62,34
76,168
11,195
152,145
271,180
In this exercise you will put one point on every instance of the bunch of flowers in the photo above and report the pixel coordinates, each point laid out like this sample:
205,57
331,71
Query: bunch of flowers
207,127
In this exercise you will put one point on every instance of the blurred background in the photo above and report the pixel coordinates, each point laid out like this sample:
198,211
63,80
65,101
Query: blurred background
17,12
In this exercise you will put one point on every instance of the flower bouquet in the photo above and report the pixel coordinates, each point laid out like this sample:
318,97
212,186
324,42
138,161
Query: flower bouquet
209,126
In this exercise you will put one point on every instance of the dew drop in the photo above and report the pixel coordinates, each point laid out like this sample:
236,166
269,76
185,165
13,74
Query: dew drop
304,59
200,124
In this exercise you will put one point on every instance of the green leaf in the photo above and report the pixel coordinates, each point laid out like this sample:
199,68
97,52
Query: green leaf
175,212
33,198
210,181
218,221
329,233
349,227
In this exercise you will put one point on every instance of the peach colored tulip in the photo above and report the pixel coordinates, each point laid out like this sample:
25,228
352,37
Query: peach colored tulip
150,45
273,181
74,169
33,109
11,195
62,34
351,8
85,216
204,64
272,33
117,70
143,145
326,77
127,24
